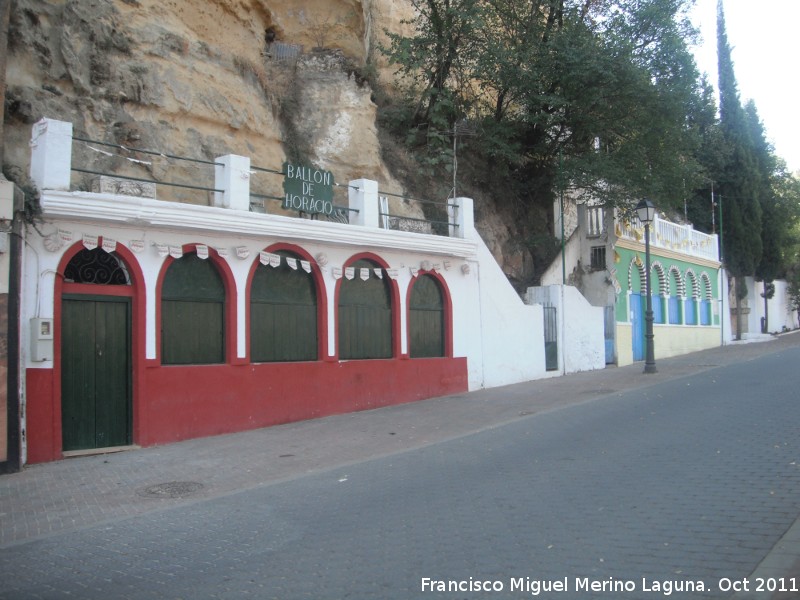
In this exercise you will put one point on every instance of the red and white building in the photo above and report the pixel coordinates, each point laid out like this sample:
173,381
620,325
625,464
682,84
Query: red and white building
145,322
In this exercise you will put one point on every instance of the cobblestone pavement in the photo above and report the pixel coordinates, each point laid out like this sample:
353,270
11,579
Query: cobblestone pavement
690,474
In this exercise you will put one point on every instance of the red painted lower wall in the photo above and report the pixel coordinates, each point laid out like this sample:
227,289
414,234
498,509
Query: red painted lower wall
40,416
183,402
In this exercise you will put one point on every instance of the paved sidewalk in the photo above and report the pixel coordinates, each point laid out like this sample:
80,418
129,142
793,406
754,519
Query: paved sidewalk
53,498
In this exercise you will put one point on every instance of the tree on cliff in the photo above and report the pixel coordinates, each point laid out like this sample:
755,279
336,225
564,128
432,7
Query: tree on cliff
605,86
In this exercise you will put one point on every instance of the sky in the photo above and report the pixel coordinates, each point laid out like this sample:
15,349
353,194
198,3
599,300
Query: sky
765,47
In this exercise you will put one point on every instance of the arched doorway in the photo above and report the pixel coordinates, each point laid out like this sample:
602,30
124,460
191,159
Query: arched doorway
96,352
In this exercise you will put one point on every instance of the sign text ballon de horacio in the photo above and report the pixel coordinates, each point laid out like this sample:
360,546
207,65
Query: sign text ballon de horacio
307,190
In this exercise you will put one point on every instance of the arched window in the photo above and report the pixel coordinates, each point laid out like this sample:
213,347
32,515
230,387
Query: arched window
676,290
690,303
192,313
283,313
658,291
705,299
365,315
426,318
96,266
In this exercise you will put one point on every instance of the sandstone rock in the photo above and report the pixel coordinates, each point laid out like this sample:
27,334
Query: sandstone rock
196,78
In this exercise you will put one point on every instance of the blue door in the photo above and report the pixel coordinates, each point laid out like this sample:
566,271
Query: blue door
637,326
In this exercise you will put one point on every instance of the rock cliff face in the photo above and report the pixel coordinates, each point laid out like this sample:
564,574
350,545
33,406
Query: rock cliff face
203,78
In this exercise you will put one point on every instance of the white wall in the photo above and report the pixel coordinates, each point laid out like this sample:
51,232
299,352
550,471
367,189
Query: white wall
500,336
511,333
572,254
779,314
581,337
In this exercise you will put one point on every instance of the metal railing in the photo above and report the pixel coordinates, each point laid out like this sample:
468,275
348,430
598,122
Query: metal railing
429,226
261,200
115,175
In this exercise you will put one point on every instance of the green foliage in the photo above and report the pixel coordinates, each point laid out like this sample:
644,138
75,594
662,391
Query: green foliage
603,99
596,92
31,208
794,289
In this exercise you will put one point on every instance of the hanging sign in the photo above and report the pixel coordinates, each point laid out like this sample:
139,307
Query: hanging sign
364,274
109,245
292,262
307,190
90,242
202,251
306,266
136,245
350,272
379,273
162,250
175,252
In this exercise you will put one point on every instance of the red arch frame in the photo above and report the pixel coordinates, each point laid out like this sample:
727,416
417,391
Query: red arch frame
229,284
135,291
395,298
447,302
319,286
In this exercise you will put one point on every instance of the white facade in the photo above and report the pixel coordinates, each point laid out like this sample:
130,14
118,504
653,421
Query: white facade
499,335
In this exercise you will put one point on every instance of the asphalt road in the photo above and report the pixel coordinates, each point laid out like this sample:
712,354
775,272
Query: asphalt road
686,484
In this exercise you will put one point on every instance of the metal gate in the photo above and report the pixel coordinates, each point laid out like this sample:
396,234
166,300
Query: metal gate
550,337
609,327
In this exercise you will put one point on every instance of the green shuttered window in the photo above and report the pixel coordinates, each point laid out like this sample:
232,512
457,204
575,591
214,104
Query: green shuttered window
283,314
426,319
365,315
192,313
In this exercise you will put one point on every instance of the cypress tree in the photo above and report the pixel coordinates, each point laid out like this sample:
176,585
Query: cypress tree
739,180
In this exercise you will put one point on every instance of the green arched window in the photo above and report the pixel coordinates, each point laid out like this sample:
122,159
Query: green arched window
365,315
283,313
426,318
192,313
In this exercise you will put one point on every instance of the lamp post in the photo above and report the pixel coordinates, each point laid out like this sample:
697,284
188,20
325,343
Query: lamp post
646,211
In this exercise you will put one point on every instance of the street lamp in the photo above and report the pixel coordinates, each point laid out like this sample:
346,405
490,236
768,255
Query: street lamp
646,211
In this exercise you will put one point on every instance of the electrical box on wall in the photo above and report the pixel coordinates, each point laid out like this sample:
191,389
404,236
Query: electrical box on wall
41,340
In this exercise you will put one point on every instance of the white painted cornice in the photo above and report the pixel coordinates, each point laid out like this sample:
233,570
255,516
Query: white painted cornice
175,216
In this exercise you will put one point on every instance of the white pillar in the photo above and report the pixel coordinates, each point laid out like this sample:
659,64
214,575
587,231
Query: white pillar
363,197
233,177
461,216
51,154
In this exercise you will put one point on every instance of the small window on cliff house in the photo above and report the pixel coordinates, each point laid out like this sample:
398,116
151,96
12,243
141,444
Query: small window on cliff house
598,258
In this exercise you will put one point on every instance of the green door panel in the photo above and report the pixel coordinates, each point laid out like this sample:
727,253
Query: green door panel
95,373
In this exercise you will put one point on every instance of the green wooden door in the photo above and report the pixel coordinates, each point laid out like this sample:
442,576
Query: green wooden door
95,372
